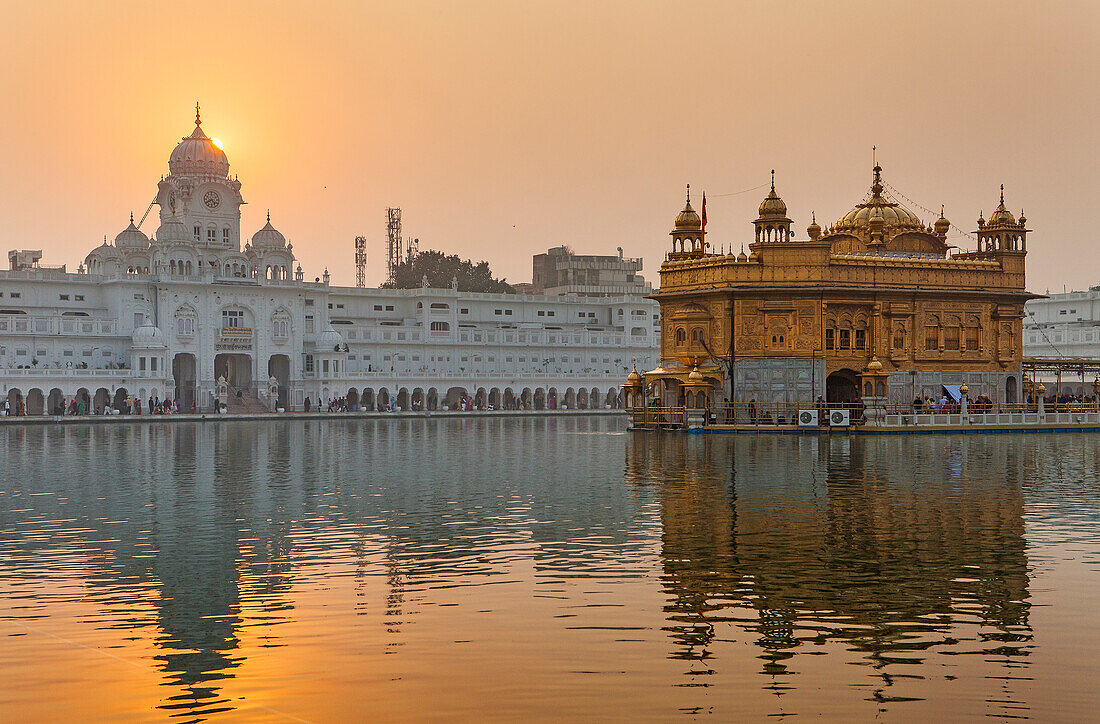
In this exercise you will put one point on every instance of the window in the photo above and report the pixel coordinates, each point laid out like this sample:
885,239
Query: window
153,364
198,233
861,339
931,338
211,235
185,326
67,353
141,363
225,235
232,318
80,297
441,326
507,312
542,313
139,318
464,310
309,324
389,307
330,305
440,305
15,295
550,314
309,302
64,297
309,363
845,339
681,336
951,338
378,307
498,312
324,366
281,328
899,338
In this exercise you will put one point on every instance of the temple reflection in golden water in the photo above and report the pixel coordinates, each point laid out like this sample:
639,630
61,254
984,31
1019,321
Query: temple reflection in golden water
803,542
874,305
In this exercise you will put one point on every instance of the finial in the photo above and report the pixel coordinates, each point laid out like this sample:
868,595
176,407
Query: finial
813,217
874,158
1002,194
941,211
773,179
689,195
269,216
198,121
131,217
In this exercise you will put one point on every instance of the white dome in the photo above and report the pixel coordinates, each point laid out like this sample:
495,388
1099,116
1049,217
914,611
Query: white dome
173,230
268,237
131,237
148,336
197,154
330,339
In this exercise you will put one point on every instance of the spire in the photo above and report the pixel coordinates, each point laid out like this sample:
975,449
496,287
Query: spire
773,180
198,120
689,195
1002,194
813,217
269,216
941,211
131,218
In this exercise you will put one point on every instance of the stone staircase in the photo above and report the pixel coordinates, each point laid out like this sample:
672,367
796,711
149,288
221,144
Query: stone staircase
245,404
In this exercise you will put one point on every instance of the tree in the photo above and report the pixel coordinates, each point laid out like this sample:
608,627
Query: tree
441,269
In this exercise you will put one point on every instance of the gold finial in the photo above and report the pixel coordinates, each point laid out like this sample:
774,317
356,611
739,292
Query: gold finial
1002,194
773,180
941,211
813,217
269,216
131,217
689,195
198,120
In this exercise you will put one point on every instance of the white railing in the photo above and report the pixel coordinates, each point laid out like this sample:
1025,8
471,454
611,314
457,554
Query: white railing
74,372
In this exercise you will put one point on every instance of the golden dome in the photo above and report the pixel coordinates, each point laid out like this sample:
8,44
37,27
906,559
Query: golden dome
893,216
942,224
874,365
634,378
814,229
1002,216
696,375
688,220
772,205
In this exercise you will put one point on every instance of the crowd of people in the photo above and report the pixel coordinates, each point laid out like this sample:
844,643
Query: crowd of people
78,406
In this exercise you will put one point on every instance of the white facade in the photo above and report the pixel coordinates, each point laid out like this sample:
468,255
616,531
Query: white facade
1063,326
171,315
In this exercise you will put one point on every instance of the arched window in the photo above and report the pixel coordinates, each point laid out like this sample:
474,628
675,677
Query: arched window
681,336
899,336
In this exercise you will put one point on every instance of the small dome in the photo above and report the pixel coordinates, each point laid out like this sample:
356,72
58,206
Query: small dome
696,375
268,237
197,154
330,339
942,225
688,220
814,229
1001,217
173,230
634,378
148,336
874,365
772,206
131,237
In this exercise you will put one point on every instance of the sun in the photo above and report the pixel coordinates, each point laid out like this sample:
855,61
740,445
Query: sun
217,142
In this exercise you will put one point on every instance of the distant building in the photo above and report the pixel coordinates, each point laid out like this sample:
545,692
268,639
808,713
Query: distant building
189,314
560,272
1063,325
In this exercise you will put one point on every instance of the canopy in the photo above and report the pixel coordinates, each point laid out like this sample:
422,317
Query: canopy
953,392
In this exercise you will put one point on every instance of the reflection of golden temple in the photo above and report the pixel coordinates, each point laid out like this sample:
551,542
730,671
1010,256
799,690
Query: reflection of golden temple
792,320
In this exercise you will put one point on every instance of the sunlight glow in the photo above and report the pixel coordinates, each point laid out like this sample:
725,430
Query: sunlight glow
217,142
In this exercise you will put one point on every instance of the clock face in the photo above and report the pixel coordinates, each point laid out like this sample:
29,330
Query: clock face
211,199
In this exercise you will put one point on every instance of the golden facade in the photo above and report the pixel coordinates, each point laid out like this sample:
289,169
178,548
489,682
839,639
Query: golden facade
873,305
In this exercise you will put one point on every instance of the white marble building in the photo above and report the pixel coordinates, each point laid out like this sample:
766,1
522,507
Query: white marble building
170,315
1063,325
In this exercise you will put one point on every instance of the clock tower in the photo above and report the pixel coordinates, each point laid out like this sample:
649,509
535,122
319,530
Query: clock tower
199,193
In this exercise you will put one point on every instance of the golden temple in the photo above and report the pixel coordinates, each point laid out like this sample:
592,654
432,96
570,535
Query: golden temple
877,305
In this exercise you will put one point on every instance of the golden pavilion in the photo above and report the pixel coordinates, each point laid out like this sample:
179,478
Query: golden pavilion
876,305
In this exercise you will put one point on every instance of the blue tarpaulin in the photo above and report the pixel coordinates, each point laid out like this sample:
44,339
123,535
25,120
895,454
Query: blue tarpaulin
953,392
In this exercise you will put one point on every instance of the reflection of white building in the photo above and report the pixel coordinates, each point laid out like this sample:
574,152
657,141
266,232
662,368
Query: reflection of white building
171,314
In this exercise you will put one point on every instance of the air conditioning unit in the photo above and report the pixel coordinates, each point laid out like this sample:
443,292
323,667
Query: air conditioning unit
839,418
807,418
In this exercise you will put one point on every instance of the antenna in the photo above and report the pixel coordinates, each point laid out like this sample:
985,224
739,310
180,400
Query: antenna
393,236
360,261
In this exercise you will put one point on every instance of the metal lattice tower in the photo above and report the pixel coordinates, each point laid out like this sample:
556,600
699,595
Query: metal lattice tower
393,235
360,261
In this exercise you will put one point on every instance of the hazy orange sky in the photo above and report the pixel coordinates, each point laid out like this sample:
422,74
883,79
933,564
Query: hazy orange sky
504,128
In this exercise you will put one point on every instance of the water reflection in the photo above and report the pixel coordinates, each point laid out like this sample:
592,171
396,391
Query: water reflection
898,555
887,566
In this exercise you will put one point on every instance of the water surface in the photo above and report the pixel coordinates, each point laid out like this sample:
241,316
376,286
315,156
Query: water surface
542,569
